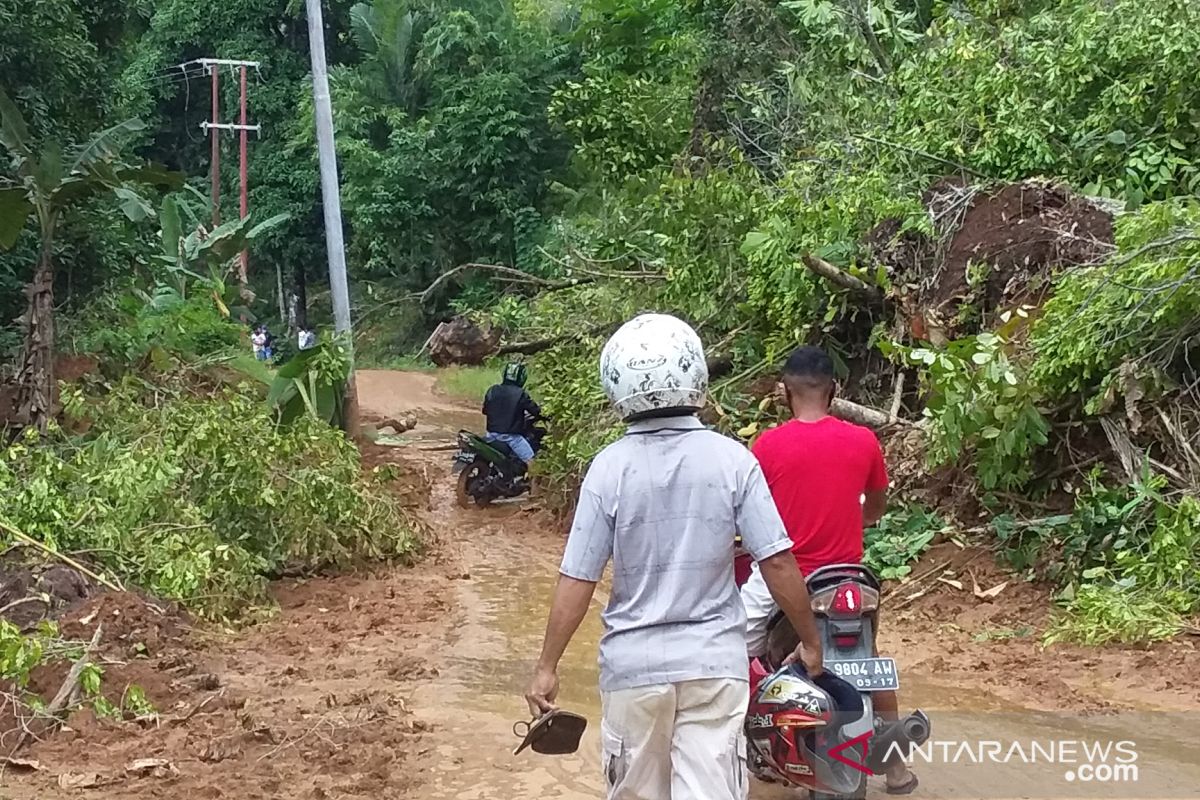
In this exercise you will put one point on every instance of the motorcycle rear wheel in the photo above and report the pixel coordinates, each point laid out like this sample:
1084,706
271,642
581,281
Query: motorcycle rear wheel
474,472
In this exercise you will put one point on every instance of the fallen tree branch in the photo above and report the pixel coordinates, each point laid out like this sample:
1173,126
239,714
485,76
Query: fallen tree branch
68,693
25,539
839,277
913,151
513,276
873,418
537,346
23,601
897,396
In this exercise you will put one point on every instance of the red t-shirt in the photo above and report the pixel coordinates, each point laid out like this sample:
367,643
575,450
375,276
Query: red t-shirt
818,472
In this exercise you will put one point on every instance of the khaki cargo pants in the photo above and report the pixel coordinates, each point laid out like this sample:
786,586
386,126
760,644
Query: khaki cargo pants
676,741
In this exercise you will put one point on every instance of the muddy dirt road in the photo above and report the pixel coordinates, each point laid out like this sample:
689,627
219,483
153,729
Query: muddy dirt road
405,683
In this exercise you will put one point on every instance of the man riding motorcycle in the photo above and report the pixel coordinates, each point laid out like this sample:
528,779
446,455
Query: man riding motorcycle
511,413
829,481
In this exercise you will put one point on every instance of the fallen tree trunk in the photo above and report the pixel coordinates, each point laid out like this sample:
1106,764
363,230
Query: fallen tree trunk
537,346
864,415
841,278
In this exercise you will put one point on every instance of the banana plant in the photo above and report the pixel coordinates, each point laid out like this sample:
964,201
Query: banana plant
47,183
312,383
201,257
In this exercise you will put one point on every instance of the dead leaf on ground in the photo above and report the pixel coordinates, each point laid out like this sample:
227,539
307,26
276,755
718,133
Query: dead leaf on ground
951,582
988,594
21,764
83,780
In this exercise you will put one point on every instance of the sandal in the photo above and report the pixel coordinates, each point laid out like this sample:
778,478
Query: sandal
555,733
907,787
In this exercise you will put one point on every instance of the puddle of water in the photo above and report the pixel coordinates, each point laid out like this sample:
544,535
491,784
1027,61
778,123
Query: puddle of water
486,669
499,644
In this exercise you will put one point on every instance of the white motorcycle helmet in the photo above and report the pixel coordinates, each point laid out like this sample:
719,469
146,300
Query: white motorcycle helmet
654,366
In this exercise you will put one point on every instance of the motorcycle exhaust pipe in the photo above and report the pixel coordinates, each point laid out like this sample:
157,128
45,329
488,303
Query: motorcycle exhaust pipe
896,739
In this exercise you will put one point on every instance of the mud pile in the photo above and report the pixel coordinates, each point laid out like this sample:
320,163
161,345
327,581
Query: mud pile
992,250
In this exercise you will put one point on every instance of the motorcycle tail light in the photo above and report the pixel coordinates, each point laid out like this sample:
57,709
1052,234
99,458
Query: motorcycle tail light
847,600
821,601
870,599
845,641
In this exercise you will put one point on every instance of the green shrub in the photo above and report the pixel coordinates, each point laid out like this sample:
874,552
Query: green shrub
978,403
199,497
125,328
1125,561
894,543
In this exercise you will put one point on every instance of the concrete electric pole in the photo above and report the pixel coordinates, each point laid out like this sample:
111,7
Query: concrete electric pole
331,199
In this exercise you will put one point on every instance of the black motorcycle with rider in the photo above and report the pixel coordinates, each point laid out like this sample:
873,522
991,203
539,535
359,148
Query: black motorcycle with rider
496,465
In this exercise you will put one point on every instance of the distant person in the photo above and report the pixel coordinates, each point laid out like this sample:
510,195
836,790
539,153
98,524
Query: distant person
307,338
260,341
511,412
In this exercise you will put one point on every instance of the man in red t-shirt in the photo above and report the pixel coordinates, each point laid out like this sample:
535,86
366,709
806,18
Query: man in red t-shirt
829,482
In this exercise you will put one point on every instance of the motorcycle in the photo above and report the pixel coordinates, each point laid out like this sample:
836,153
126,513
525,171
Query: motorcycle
845,601
488,471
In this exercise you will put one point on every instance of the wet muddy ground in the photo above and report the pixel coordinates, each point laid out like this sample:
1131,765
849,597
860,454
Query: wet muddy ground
405,683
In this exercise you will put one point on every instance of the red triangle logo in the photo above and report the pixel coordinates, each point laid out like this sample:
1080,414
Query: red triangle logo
836,752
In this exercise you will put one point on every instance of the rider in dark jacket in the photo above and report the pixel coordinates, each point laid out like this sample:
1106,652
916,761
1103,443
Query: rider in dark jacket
509,410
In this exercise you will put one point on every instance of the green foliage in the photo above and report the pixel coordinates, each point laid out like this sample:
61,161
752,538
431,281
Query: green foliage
978,403
899,539
1138,307
1124,559
19,654
191,491
123,328
1104,613
1100,94
312,383
444,140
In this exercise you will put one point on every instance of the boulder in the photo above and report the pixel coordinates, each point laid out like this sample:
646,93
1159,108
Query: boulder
461,341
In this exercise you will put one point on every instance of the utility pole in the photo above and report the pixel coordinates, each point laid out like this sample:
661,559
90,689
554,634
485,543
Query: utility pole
215,126
243,203
331,200
216,150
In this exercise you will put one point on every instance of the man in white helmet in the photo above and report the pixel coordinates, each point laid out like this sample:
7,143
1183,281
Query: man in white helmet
663,504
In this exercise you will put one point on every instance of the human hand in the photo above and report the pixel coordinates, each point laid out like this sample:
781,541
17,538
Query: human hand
810,657
542,691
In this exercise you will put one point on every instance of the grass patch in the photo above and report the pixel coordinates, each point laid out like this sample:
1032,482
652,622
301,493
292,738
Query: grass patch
468,383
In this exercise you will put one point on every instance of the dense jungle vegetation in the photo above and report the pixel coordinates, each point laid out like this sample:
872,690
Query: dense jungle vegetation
985,209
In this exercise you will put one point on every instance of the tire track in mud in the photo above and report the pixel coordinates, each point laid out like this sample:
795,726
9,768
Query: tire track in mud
508,563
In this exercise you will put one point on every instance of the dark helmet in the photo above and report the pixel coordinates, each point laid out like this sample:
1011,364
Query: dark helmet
795,720
515,373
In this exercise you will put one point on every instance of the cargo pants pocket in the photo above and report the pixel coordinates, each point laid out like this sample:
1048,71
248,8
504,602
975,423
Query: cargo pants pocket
614,758
739,773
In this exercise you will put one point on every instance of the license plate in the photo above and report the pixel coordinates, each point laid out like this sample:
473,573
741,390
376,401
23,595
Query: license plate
867,674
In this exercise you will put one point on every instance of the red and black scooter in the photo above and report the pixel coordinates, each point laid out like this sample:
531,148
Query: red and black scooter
845,601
